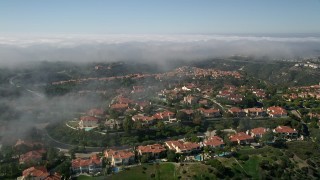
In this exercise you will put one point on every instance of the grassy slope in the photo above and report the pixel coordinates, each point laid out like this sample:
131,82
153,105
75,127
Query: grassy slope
166,171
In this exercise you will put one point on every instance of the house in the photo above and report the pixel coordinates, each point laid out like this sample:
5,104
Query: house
258,132
95,112
22,144
31,156
119,157
119,106
276,112
314,115
241,138
124,100
260,93
203,102
286,132
154,150
142,105
38,173
166,116
145,120
237,112
88,121
254,112
210,113
214,142
112,123
183,147
236,98
190,99
188,113
86,165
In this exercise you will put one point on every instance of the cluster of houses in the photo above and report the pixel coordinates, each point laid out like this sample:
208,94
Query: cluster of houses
303,92
33,151
308,64
92,119
230,93
118,158
273,112
179,72
39,173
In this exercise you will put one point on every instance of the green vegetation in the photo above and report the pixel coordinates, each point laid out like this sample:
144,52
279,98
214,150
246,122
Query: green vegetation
163,171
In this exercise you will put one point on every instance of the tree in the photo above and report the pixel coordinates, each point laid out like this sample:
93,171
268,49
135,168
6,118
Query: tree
52,155
197,118
160,125
145,158
171,156
64,169
127,124
249,101
244,125
267,137
138,125
182,116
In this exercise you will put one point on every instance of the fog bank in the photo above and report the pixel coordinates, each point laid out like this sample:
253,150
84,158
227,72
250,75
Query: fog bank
16,49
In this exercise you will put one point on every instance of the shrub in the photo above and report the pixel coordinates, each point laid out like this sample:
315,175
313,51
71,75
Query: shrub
184,171
244,157
152,175
274,158
289,154
311,163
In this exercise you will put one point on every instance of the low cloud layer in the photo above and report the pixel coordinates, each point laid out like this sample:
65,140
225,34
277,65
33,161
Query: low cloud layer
16,49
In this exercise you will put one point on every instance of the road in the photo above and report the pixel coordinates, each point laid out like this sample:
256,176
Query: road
11,81
214,101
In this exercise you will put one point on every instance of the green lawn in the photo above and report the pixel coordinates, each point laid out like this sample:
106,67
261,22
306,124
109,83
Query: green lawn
164,171
83,177
74,124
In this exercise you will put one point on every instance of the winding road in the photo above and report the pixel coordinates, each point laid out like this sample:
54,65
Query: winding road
11,81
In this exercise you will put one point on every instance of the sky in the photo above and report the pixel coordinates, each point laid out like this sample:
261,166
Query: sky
159,17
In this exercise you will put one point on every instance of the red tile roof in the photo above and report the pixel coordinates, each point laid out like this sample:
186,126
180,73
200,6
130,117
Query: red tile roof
119,106
27,143
259,130
182,145
119,154
276,110
214,141
241,136
55,176
209,111
88,118
235,110
164,114
40,172
187,111
123,100
285,129
31,155
79,162
142,118
254,110
154,148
